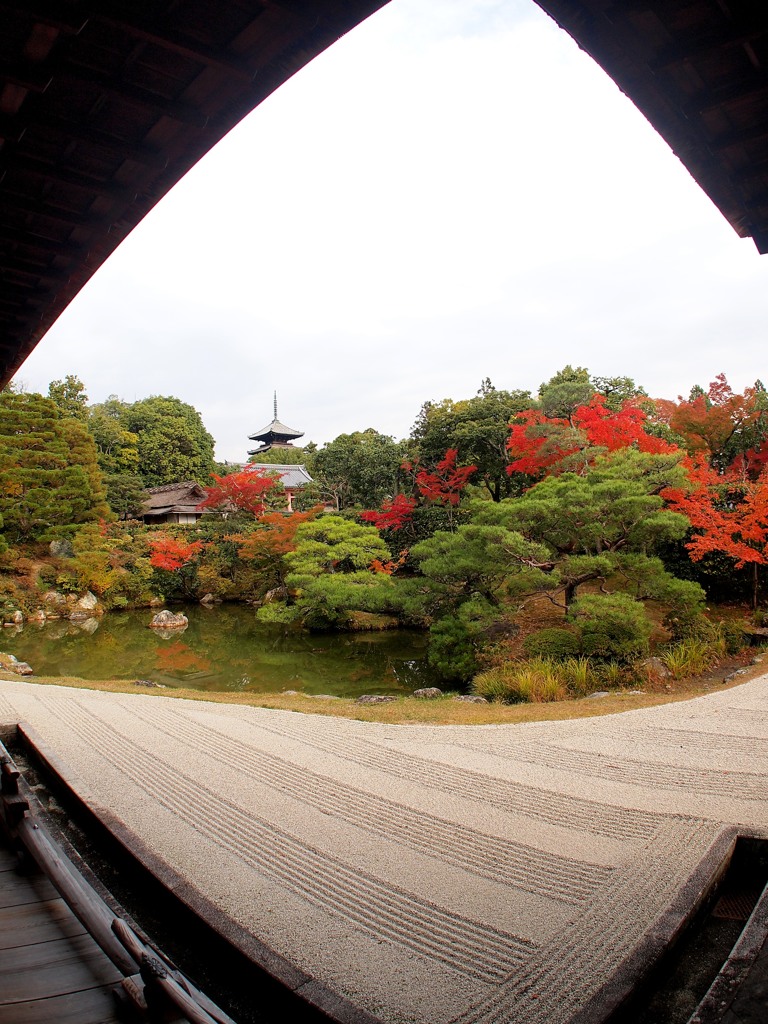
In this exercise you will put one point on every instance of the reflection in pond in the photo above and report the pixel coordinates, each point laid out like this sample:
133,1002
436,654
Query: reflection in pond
224,649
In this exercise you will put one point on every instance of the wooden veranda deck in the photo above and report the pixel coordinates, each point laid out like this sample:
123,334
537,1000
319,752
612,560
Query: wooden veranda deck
50,967
66,955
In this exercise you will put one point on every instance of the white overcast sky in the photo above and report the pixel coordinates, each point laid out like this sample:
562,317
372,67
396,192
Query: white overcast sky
453,191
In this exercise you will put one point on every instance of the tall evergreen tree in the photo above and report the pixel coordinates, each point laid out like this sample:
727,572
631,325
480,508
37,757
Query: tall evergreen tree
50,481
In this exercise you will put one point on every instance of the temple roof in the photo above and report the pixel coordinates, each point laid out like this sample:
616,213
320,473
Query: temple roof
291,476
275,433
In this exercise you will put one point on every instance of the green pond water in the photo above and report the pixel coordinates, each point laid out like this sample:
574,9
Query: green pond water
224,648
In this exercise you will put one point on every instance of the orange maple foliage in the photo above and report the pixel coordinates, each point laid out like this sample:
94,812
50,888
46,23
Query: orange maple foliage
274,536
709,421
729,512
391,566
171,554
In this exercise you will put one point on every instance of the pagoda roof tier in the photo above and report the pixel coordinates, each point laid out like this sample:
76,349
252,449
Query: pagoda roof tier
275,431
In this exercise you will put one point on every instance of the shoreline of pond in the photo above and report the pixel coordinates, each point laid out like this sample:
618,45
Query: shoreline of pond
223,648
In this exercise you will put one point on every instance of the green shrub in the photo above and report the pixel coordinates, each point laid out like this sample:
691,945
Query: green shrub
452,649
278,613
732,633
611,626
552,643
688,623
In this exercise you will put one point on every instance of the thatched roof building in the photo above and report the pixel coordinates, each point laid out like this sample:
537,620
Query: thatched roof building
174,503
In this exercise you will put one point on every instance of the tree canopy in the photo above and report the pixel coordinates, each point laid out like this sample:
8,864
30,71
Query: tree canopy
478,429
173,444
50,481
359,469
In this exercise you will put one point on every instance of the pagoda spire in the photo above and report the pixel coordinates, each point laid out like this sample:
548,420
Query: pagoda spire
275,406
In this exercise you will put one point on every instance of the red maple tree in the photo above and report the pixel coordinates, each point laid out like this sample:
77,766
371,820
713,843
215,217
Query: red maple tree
443,485
714,422
440,485
171,554
246,491
728,512
393,515
540,444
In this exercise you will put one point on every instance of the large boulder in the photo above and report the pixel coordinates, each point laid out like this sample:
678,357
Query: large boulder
428,693
61,549
169,620
10,664
85,607
55,604
374,698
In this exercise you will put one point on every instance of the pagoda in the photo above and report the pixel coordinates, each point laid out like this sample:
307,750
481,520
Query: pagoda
274,435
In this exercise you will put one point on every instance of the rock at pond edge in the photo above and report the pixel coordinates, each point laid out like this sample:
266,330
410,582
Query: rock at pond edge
169,620
428,693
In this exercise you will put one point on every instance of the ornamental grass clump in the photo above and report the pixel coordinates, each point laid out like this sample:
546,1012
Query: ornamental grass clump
578,676
535,681
692,657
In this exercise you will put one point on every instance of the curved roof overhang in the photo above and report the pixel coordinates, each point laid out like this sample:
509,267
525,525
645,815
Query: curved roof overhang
698,70
105,104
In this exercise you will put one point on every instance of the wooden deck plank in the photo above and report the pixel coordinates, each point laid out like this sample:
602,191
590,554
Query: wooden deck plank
96,1006
37,922
8,860
54,968
16,890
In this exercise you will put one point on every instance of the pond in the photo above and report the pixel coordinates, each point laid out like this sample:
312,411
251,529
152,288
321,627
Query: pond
225,648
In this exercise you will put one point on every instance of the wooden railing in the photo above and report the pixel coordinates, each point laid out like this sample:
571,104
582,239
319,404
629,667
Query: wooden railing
150,981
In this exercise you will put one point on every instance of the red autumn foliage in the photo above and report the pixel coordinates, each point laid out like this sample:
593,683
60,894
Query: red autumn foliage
539,443
393,515
440,486
445,484
246,491
171,554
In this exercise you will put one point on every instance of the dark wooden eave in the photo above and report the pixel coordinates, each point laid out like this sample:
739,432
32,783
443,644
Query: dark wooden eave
698,70
105,104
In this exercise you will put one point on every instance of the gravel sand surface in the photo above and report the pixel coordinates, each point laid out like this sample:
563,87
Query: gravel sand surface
478,874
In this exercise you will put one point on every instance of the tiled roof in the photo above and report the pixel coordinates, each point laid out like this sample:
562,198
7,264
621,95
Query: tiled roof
291,477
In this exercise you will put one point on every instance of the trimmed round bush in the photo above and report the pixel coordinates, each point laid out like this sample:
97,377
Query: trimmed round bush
611,626
552,643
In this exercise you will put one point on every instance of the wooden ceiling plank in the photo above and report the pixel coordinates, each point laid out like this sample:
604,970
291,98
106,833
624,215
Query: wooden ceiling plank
166,38
66,20
118,147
